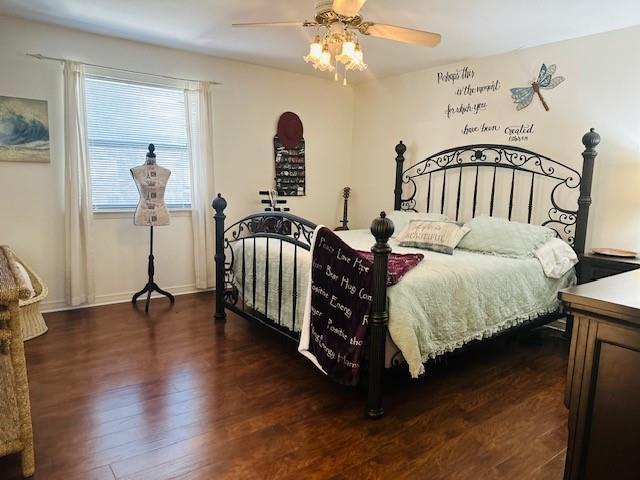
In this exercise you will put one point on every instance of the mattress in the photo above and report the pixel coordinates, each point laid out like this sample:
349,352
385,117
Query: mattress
439,306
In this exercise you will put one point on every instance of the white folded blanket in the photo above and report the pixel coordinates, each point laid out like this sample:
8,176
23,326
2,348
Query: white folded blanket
556,257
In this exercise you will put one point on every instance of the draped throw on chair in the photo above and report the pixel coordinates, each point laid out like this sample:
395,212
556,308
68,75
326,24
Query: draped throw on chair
200,125
79,272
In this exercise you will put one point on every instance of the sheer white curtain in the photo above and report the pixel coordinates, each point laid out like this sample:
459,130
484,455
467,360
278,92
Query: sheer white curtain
200,128
79,274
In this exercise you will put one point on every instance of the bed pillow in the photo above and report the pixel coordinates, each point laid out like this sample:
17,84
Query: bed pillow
439,237
500,236
401,219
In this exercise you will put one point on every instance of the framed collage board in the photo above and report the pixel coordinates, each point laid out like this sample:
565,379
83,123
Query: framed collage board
289,154
290,171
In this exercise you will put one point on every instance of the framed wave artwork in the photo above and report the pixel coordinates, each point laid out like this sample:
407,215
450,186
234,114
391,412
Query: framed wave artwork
24,130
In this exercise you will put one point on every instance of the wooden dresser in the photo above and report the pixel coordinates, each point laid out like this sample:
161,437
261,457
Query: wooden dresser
603,379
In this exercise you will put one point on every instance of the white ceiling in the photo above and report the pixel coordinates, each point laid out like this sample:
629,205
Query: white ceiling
469,28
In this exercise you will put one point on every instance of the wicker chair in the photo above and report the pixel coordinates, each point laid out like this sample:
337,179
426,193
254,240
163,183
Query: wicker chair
16,435
31,319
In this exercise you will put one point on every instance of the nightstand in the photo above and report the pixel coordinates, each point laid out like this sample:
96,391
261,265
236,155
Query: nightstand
594,267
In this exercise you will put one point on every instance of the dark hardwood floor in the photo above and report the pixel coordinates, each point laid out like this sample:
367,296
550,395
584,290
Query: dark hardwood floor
116,394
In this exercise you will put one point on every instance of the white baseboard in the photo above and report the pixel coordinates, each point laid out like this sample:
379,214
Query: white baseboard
111,298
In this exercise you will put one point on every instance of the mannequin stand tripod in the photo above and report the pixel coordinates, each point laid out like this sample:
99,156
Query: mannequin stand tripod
151,285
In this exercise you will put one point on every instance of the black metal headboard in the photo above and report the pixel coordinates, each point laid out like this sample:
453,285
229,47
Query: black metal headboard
444,170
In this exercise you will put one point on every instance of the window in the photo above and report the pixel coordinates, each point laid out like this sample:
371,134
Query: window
123,118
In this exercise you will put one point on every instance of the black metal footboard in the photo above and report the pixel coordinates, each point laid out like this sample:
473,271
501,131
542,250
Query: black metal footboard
255,281
254,248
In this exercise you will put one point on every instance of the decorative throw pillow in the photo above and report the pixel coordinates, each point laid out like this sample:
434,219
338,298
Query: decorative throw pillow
26,280
500,236
401,219
437,236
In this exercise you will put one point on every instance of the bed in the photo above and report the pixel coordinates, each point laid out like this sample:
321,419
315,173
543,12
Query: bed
421,327
447,301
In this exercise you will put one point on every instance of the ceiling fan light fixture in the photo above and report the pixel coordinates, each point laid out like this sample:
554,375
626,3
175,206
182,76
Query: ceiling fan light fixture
323,51
324,63
348,50
357,60
315,51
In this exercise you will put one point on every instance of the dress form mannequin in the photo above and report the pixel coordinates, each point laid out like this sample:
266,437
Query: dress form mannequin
151,180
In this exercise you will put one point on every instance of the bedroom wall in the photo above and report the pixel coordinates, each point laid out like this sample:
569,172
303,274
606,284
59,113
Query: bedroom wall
246,109
600,91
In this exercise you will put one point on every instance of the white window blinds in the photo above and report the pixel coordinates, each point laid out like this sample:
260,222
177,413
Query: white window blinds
122,120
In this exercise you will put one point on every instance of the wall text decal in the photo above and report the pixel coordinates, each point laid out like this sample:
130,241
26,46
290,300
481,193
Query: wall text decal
514,133
483,128
519,133
465,108
469,89
466,90
464,73
470,96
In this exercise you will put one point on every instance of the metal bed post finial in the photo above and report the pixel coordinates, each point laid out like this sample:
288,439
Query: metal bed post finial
381,228
590,140
219,204
401,148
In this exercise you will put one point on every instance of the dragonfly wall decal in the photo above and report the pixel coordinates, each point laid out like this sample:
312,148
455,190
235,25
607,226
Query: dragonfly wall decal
523,96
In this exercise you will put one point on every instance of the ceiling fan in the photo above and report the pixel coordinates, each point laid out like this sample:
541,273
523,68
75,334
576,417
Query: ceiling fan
342,21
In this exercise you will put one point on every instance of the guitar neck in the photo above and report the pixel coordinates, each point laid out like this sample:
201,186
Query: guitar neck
344,212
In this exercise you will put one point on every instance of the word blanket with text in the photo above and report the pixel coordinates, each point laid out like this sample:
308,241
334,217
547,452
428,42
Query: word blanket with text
336,312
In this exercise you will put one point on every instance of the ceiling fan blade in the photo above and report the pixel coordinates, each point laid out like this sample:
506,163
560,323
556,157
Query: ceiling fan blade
304,23
348,8
406,35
